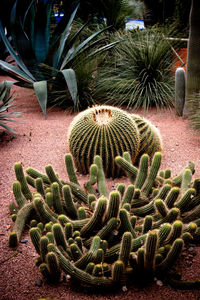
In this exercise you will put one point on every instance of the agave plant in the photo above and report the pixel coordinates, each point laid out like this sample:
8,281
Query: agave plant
140,72
44,54
7,103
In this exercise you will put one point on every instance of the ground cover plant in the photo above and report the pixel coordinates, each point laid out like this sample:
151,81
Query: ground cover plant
103,238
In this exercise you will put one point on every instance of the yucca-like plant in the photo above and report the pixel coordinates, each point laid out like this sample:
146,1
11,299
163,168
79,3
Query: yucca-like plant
46,54
7,105
139,73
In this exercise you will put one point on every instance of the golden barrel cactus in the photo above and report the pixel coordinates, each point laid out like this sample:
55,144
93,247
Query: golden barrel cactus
106,131
150,138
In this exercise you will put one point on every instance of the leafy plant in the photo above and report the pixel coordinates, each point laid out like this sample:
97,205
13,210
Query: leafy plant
7,105
45,54
139,73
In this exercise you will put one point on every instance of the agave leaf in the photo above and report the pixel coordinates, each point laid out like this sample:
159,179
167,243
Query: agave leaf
13,54
5,87
64,36
42,30
40,88
26,12
70,78
81,46
104,48
12,69
2,124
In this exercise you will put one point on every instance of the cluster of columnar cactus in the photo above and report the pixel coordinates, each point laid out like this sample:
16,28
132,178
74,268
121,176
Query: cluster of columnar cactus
109,131
101,238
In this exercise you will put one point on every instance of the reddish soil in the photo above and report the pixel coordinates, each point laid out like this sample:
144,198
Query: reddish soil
39,142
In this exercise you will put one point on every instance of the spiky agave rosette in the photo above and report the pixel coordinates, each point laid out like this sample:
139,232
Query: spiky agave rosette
102,239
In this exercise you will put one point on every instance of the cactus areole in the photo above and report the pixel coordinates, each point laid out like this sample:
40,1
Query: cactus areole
106,131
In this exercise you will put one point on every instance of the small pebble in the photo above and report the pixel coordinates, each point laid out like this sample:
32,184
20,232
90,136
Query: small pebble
159,283
124,288
38,282
24,241
172,150
191,249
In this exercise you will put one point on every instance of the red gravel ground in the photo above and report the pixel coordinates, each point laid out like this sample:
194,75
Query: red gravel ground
39,142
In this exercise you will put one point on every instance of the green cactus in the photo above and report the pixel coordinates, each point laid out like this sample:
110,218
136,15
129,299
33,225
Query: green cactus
18,194
69,202
150,138
19,225
106,131
179,91
103,239
19,173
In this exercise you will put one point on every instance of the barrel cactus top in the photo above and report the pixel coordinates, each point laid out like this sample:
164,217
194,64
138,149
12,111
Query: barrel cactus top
150,138
106,131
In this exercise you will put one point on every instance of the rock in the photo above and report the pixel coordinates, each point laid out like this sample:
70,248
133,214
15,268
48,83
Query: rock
39,282
24,241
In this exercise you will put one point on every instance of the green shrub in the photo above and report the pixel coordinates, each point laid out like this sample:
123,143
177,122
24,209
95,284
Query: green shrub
138,75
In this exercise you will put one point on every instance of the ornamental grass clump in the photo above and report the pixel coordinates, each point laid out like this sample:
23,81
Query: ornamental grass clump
138,74
101,238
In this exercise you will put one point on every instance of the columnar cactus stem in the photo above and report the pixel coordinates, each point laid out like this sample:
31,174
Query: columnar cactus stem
179,90
172,197
163,233
20,222
59,236
186,180
152,174
69,203
97,217
21,178
161,207
128,196
44,241
37,174
125,248
18,194
101,177
172,255
125,222
113,205
150,250
121,188
39,186
143,170
42,211
70,168
176,232
35,238
184,202
57,204
52,175
147,224
118,271
127,166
